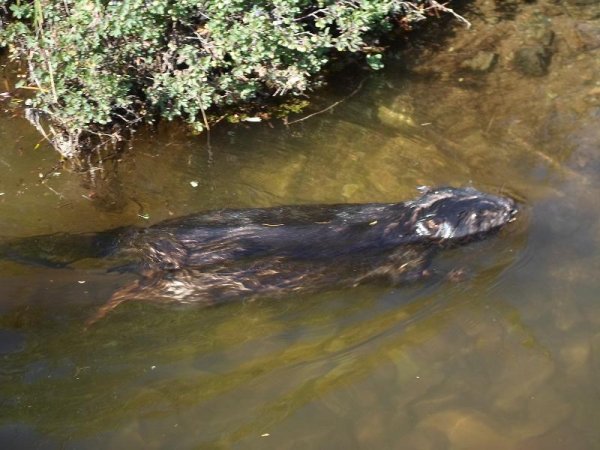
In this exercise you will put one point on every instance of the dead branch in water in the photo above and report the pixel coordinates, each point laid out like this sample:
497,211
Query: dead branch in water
333,105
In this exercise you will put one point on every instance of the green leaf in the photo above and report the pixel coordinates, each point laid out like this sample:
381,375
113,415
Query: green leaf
375,61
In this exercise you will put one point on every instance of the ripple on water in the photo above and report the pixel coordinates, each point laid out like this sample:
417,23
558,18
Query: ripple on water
11,341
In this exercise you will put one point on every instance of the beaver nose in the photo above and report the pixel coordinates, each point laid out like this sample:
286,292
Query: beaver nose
512,214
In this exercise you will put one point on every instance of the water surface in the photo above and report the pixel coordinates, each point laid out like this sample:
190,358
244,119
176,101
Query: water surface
507,358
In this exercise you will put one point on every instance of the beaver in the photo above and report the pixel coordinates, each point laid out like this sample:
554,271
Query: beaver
221,255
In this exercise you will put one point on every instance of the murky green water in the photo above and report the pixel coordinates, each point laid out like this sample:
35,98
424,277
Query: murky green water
507,359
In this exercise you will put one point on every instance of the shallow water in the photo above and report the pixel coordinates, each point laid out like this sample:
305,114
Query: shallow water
507,358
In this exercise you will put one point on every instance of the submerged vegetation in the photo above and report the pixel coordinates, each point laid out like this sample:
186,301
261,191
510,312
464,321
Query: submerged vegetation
97,67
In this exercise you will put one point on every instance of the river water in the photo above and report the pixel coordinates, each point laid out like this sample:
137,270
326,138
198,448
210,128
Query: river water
506,358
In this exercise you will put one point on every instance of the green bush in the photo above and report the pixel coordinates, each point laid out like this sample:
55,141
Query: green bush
97,63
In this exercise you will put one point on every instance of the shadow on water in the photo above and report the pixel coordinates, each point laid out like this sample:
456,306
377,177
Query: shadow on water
507,358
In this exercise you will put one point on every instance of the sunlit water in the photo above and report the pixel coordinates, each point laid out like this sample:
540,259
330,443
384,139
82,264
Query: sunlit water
508,358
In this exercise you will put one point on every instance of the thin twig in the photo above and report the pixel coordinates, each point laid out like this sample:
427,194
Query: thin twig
442,7
54,191
204,118
333,105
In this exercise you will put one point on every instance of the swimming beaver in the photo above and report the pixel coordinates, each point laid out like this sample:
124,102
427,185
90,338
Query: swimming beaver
215,256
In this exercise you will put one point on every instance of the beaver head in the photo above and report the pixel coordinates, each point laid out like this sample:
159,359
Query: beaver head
451,214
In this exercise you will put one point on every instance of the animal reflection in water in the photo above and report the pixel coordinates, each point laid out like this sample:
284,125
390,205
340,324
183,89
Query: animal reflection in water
217,256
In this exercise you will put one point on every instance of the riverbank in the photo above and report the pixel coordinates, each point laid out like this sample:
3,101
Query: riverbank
96,72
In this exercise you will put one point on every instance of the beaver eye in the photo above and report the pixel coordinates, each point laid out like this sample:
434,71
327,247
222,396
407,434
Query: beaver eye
432,224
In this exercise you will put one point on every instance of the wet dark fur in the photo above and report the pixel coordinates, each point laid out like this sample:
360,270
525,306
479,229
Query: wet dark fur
221,255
